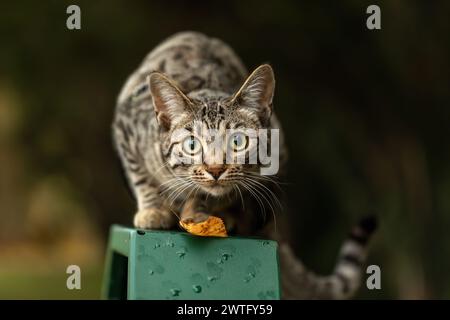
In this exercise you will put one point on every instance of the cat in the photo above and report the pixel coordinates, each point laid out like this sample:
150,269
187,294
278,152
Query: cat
188,81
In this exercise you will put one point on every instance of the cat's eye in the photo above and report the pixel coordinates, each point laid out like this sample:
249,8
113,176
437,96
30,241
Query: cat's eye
192,145
238,141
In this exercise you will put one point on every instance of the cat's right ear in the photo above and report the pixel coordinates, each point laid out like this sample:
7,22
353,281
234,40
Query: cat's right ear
169,101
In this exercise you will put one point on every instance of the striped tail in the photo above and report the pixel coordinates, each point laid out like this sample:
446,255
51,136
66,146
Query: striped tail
300,283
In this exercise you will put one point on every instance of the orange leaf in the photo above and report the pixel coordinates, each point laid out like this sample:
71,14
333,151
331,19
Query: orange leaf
211,227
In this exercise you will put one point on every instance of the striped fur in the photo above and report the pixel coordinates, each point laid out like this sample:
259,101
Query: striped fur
346,277
191,80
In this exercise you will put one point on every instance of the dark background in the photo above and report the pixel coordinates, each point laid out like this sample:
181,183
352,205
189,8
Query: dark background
365,113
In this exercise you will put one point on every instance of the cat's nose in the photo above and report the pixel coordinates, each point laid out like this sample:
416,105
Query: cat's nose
215,170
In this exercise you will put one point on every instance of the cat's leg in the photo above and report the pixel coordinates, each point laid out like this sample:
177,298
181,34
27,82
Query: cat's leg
151,213
194,209
197,210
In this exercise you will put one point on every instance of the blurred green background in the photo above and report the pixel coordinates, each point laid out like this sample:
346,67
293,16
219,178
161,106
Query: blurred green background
366,115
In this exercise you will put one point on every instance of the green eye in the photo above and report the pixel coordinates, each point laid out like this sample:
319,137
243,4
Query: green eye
238,141
192,145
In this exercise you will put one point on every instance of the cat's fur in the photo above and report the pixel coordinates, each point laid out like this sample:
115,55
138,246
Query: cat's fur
193,77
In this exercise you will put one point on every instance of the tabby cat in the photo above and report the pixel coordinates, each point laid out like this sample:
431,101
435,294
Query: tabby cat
191,78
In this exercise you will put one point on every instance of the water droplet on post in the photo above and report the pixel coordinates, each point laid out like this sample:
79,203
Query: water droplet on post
175,292
197,288
225,256
170,243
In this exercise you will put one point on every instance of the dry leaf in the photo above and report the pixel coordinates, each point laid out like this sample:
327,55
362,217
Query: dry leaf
211,227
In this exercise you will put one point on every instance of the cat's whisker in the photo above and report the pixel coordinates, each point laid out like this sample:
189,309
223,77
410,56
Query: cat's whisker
169,181
258,196
258,200
265,196
236,187
174,213
272,194
177,191
174,195
189,194
164,165
173,188
171,184
176,178
272,179
196,190
189,185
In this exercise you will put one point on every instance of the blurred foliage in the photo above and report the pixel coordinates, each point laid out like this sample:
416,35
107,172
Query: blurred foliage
366,115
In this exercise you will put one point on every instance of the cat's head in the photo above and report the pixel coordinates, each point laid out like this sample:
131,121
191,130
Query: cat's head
202,131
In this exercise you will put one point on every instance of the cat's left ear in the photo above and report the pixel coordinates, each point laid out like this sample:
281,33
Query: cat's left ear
257,92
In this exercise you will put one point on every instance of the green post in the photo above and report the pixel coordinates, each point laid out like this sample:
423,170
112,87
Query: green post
177,265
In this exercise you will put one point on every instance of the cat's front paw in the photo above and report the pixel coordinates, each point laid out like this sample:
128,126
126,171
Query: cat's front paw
198,217
154,218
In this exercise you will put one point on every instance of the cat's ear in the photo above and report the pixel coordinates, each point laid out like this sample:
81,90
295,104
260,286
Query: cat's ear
257,92
169,101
